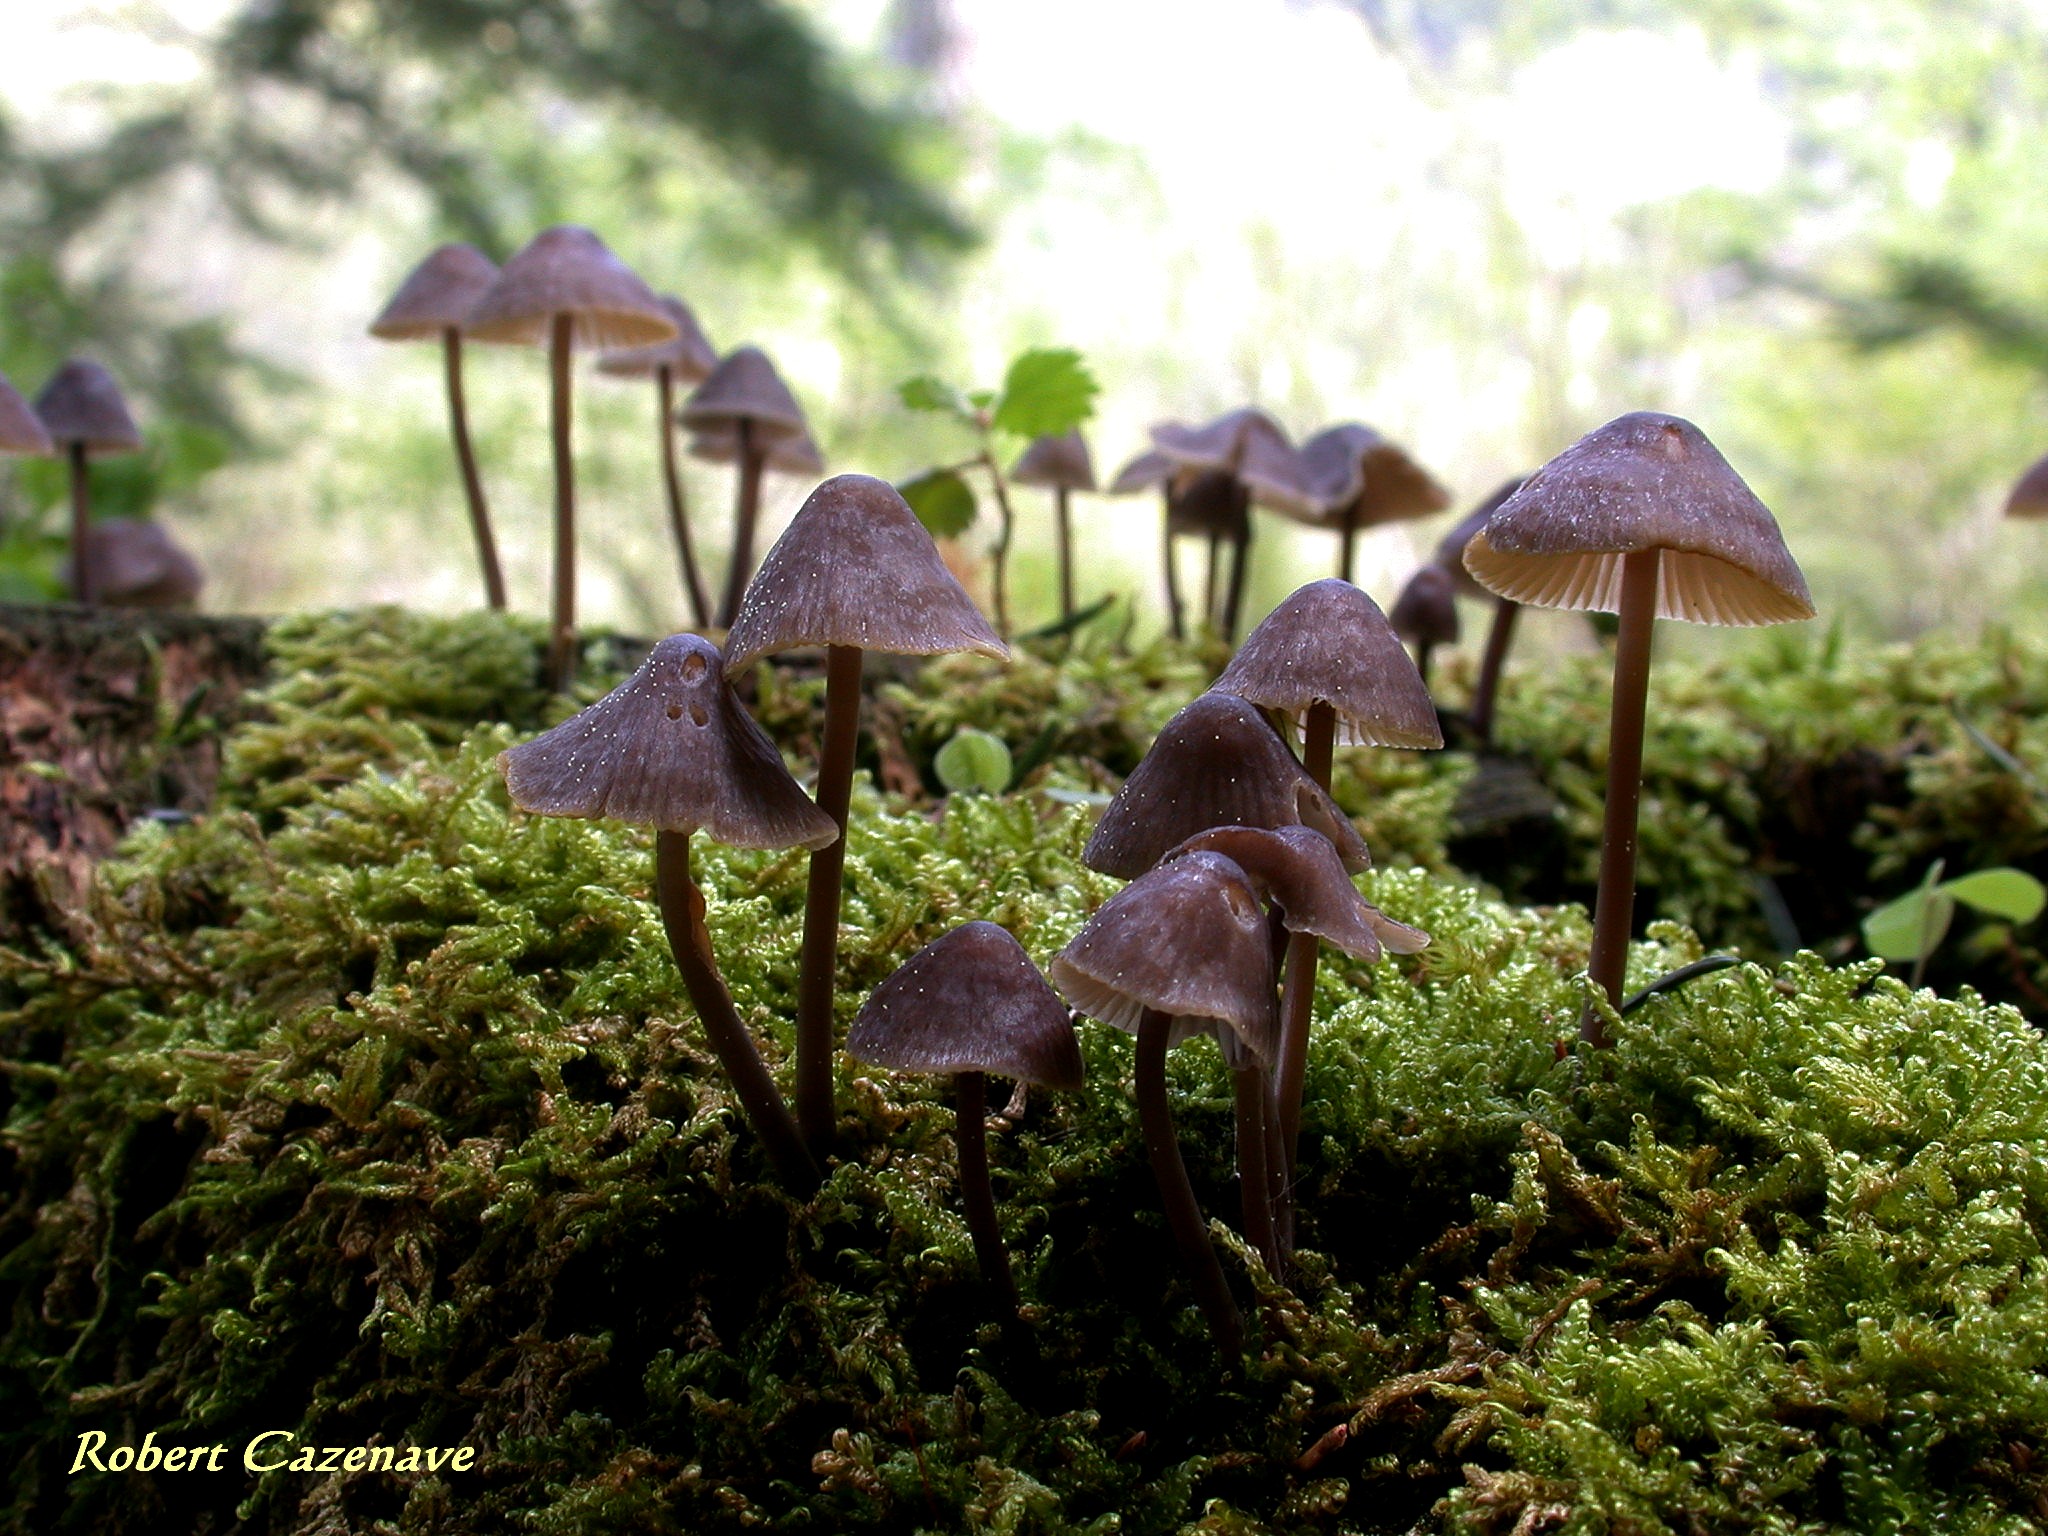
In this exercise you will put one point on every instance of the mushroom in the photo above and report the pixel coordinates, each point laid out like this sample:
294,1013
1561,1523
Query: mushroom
797,455
2029,495
1426,613
138,565
1148,469
744,395
1061,463
21,430
82,411
1362,481
672,748
1181,951
1642,517
968,1004
855,571
434,301
688,357
1450,554
565,290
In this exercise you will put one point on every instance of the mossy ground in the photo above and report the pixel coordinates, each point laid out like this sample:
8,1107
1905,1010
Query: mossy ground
366,1108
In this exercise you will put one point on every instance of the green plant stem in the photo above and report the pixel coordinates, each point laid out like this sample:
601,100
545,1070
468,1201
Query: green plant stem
1063,521
1499,635
472,482
1001,558
672,483
977,1194
562,636
750,462
1614,906
817,973
1250,1091
1183,1214
682,918
85,583
1298,984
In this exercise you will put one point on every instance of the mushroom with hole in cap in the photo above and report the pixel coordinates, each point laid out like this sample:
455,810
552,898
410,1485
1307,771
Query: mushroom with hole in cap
1060,463
686,357
1178,952
434,301
672,748
745,396
855,571
565,291
1450,555
968,1004
1362,480
82,411
1644,518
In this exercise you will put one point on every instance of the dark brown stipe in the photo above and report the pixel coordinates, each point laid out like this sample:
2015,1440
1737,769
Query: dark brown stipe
1183,1214
472,483
1298,983
1347,540
1240,567
562,636
1176,624
977,1194
84,580
746,513
672,483
1063,521
1499,635
1250,1092
820,959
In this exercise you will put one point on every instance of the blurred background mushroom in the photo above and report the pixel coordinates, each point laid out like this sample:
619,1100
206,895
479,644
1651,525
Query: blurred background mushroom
82,411
1362,481
1062,465
744,398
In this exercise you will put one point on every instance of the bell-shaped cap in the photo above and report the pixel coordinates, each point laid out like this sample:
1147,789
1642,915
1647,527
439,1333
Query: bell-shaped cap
672,748
969,1001
1297,870
1187,939
567,270
1148,469
83,404
1644,481
21,430
1061,462
1215,764
137,564
1361,477
1250,445
687,355
855,567
744,387
2029,496
1450,549
1426,612
1329,643
439,294
796,455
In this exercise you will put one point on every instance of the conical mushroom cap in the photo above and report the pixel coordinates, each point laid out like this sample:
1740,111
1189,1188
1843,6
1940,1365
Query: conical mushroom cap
1297,870
567,270
1329,643
1352,466
1187,939
796,455
855,567
439,294
21,430
83,404
1450,549
969,1001
744,387
2029,496
138,565
1215,764
1426,612
1250,445
1643,481
688,355
1148,469
671,748
1061,462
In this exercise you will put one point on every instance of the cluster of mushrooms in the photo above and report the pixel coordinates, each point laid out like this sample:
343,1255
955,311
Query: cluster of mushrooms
1239,863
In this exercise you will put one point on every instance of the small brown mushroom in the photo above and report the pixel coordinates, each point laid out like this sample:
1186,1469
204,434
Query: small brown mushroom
672,748
1426,613
1363,481
138,565
21,430
566,291
966,1005
1450,554
855,571
82,411
2029,495
433,301
1061,464
744,395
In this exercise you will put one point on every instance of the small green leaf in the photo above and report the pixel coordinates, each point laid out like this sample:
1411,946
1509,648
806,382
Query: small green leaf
1046,392
2012,894
1910,927
926,393
973,760
943,502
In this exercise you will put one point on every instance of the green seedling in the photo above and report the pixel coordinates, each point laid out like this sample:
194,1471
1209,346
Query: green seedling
1913,926
973,761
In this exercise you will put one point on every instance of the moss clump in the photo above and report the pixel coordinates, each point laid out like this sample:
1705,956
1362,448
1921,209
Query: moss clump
366,1108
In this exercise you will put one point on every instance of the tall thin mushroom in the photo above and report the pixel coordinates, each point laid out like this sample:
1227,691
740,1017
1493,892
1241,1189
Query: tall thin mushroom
434,301
82,411
1642,517
854,572
565,291
1062,465
1500,634
1152,468
1362,481
744,395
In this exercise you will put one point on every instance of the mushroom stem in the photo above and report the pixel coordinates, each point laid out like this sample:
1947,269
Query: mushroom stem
682,917
1209,581
1240,566
1298,984
562,637
672,483
1614,906
970,1098
85,585
1423,650
1176,625
820,960
1498,636
746,512
1249,1092
472,483
1183,1215
1001,555
1347,539
1063,521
